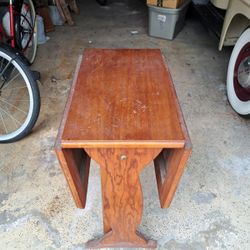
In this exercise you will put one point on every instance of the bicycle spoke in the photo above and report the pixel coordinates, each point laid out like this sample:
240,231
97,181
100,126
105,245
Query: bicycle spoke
13,106
2,64
18,100
2,84
14,120
3,122
4,77
16,88
27,32
19,103
11,80
2,72
25,15
11,116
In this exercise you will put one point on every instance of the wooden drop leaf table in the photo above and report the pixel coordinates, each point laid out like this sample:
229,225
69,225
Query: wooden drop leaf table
122,112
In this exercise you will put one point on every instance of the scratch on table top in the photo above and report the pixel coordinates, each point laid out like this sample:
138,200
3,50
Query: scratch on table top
139,106
123,99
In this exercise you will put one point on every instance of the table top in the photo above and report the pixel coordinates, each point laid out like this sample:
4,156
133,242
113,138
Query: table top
122,98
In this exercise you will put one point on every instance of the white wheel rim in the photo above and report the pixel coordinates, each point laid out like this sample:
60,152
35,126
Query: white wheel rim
31,105
241,107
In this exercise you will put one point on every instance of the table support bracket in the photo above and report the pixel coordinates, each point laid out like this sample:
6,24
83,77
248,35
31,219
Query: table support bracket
122,195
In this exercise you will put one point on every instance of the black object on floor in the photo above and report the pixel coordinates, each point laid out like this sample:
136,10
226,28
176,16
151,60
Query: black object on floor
102,2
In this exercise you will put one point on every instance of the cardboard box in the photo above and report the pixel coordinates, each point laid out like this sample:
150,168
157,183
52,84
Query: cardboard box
172,4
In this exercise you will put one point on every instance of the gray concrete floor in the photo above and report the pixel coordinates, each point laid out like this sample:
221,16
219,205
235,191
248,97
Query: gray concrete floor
211,206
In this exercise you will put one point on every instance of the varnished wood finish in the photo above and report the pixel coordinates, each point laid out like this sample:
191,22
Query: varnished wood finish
169,166
122,112
75,164
122,195
78,184
123,97
171,162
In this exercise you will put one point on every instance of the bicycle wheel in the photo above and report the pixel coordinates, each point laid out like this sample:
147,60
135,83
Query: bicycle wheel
26,30
19,98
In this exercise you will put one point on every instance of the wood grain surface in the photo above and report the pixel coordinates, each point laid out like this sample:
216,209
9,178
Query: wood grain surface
75,164
123,112
123,98
169,167
122,195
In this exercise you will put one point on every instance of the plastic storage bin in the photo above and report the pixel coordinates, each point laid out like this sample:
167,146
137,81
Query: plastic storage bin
167,23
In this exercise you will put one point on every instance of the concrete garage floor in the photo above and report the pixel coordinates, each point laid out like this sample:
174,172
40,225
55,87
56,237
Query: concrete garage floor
211,206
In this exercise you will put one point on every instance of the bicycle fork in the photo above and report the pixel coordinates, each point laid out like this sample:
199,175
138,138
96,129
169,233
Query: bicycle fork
12,28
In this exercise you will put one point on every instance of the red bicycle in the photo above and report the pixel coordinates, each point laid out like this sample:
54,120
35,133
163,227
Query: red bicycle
18,26
19,92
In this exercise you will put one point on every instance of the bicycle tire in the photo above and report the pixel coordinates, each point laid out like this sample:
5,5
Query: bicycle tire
33,13
29,48
34,95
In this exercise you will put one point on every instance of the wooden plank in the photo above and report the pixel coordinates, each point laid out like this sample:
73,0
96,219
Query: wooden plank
58,5
126,144
67,106
44,12
75,164
122,196
123,97
66,12
168,170
73,6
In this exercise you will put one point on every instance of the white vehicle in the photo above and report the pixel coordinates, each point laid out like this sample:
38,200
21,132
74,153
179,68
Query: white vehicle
236,31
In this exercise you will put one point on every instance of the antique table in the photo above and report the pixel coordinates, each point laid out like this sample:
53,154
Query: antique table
122,112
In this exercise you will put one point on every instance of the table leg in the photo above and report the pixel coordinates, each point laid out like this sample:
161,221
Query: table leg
106,225
122,195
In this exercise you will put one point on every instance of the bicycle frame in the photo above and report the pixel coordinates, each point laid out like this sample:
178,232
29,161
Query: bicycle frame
3,34
12,31
12,12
